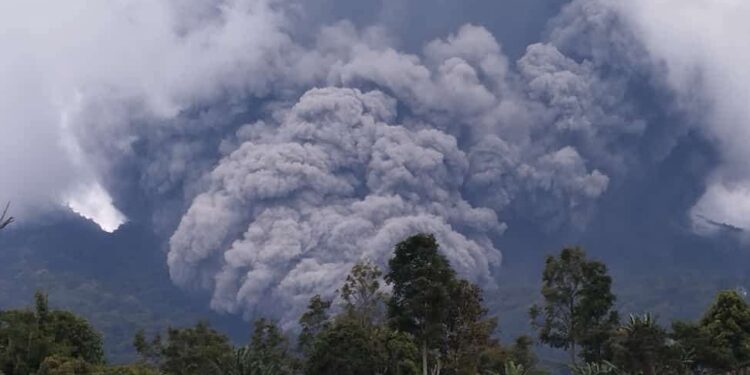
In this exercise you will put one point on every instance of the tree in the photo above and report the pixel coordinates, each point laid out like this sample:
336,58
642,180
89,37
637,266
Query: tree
5,220
348,347
694,345
312,322
188,351
511,368
29,337
497,359
133,369
268,352
355,341
421,278
522,353
642,346
56,365
150,351
468,329
577,305
361,293
727,326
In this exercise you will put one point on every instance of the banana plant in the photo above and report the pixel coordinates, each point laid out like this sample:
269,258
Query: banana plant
513,369
604,368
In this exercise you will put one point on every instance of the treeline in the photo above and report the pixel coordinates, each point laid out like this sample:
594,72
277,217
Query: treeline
577,314
429,322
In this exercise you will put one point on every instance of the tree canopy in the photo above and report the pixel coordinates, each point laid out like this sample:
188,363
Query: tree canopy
577,305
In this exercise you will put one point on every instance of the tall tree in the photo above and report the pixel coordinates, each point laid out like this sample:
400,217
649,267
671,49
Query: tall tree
727,325
361,293
149,350
312,322
268,352
349,347
522,353
421,278
189,351
468,329
355,341
576,310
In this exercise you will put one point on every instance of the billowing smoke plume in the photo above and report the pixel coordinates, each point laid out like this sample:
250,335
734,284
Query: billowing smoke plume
344,174
704,48
297,203
274,150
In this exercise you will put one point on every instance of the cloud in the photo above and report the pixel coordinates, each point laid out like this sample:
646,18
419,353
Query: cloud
703,47
274,149
85,75
445,141
292,209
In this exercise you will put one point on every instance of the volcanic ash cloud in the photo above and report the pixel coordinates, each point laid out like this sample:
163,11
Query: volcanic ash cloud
335,181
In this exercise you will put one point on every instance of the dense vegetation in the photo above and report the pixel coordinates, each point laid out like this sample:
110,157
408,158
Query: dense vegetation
416,317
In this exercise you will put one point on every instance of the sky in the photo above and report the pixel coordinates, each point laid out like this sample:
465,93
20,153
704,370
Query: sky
271,144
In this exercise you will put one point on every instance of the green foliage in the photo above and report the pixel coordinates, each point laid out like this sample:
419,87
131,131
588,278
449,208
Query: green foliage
468,329
577,305
312,322
602,368
522,352
511,368
356,342
28,337
641,346
74,337
421,278
695,344
134,369
150,352
498,359
268,352
187,351
240,364
436,323
727,322
348,347
361,293
721,339
56,365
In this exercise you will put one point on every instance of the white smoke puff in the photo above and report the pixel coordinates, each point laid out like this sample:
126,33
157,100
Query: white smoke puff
333,184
